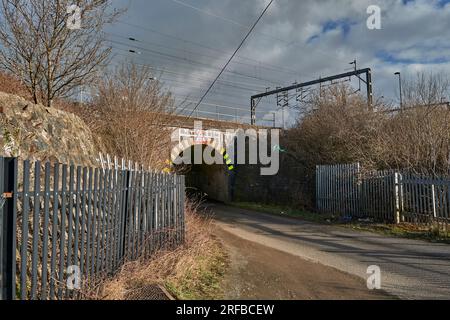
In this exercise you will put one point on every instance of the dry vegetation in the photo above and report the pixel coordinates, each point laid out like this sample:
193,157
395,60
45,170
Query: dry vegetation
192,271
12,85
128,114
338,127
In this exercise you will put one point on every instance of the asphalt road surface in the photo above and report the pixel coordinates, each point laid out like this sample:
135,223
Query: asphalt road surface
410,269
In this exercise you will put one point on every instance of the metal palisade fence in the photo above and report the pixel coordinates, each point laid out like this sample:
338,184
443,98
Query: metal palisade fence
65,228
386,195
337,189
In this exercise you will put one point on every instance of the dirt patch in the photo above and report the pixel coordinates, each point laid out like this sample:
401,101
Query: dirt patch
260,272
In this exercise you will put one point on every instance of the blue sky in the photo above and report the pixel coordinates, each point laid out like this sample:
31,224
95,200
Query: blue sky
296,41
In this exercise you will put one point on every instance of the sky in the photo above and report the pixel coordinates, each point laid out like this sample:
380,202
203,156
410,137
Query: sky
187,42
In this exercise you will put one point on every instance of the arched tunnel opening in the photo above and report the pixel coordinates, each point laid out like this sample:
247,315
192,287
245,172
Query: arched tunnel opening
207,181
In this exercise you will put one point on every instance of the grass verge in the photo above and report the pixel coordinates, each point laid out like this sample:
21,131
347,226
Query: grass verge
203,280
404,230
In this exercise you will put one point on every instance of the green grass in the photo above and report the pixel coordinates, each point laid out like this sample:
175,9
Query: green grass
403,230
203,281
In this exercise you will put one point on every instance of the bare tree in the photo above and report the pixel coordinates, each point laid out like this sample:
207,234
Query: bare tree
426,89
337,128
419,138
49,56
129,113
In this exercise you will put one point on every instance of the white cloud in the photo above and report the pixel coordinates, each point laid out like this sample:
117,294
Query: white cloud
413,37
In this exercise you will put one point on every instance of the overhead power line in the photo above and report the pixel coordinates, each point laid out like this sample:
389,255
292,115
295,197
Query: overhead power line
287,43
232,56
197,44
252,65
249,80
185,60
226,19
229,93
201,81
189,76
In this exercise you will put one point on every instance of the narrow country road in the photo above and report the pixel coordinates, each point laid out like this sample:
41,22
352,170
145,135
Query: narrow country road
410,269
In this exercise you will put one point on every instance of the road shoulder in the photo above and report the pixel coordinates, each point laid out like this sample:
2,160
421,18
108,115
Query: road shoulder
260,272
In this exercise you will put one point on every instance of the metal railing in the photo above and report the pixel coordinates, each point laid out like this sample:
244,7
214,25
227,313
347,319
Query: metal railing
233,115
389,195
59,218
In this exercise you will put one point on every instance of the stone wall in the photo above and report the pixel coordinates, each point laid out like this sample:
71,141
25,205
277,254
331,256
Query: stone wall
289,187
35,132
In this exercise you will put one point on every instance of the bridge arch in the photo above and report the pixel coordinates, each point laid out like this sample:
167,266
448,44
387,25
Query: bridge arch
212,180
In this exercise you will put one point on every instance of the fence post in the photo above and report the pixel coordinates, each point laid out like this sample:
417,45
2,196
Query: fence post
125,199
397,197
402,198
359,196
8,176
318,195
433,199
183,219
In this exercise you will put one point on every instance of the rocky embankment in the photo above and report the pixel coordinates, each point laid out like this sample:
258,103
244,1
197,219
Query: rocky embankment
35,132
